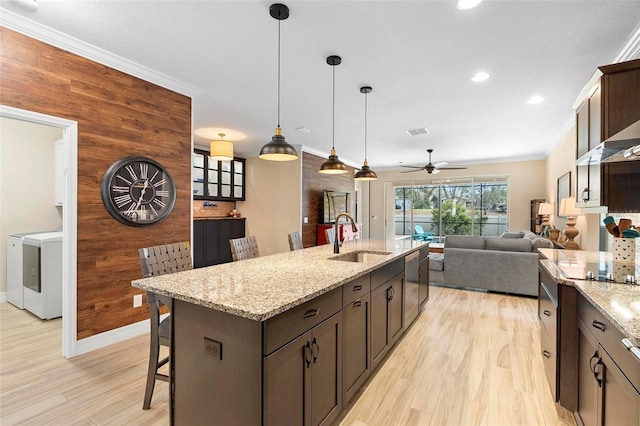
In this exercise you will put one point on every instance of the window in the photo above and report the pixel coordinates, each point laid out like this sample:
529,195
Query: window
469,206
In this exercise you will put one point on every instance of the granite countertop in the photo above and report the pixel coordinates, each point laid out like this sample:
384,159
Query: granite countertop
261,288
619,303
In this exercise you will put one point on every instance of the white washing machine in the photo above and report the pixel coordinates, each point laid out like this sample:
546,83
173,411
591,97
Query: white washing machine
15,292
42,274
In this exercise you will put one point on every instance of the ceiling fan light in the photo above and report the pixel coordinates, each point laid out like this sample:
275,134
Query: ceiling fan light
333,166
278,149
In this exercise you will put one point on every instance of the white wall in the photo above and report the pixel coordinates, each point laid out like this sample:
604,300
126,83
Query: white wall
527,181
26,182
273,205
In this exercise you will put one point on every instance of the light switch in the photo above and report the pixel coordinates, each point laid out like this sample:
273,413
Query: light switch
305,219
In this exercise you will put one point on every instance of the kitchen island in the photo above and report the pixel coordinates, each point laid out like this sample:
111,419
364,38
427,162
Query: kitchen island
260,341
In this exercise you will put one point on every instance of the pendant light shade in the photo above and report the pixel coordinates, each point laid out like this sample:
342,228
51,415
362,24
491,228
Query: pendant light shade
278,149
333,166
220,149
365,173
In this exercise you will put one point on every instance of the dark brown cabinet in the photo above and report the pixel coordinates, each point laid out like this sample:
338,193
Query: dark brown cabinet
611,105
411,287
211,240
303,379
609,374
217,180
356,321
387,321
559,338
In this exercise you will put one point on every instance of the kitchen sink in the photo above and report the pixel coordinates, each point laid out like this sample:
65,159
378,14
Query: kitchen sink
361,256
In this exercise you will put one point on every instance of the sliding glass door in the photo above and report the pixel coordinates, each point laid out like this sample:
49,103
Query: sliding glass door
432,209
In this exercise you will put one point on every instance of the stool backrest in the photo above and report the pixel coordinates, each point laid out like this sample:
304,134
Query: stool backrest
244,248
295,241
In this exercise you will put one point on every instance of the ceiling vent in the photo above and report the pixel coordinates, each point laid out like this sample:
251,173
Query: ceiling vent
419,131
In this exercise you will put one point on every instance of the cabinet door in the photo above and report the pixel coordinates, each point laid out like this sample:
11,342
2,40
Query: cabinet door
224,237
326,372
355,341
423,291
396,313
379,319
588,387
411,287
595,117
211,235
198,244
286,383
620,400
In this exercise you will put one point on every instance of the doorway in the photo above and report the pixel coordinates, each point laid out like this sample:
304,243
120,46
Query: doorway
69,217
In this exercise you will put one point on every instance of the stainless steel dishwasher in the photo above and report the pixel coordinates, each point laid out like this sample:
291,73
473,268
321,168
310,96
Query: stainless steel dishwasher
411,287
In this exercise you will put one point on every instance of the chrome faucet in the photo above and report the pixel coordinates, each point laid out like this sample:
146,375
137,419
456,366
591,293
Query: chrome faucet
336,236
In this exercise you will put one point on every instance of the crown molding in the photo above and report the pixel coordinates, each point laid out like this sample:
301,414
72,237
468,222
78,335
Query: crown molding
48,35
631,48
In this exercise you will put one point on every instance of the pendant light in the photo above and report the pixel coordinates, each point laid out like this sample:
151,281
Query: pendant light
220,149
365,173
333,166
278,149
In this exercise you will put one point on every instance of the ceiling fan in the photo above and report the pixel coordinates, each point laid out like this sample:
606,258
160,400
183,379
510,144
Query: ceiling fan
431,168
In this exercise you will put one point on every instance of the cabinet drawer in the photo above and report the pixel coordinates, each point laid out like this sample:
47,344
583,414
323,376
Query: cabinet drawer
549,283
355,289
548,313
610,338
288,325
424,252
385,273
550,361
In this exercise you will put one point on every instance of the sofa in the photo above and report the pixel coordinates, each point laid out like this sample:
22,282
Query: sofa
507,264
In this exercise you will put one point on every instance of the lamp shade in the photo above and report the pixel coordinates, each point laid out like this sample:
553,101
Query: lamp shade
545,208
568,207
221,150
278,149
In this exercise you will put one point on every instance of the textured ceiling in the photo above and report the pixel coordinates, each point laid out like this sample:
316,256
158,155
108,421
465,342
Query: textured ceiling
418,56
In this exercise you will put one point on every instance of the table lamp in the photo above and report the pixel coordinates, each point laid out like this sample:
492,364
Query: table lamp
545,209
568,208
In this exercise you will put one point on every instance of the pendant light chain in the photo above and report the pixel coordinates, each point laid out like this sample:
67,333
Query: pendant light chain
333,137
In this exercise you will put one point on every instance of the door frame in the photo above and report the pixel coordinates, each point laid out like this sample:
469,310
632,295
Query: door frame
69,218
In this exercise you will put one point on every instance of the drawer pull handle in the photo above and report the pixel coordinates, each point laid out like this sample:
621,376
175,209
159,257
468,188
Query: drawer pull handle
597,324
547,312
308,353
627,344
311,313
595,367
316,349
546,354
357,287
357,303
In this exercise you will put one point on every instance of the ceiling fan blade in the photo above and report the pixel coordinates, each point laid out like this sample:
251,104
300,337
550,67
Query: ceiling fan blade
453,167
411,171
440,165
413,167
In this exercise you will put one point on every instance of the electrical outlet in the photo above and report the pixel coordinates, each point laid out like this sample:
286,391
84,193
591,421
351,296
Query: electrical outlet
213,348
305,219
137,300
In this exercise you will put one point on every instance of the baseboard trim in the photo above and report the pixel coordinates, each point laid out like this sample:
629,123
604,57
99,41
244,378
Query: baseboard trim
113,336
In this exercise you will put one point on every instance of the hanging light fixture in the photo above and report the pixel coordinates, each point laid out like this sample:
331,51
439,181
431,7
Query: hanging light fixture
278,149
333,166
365,173
220,149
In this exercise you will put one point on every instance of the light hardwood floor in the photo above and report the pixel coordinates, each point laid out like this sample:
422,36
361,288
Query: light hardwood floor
471,358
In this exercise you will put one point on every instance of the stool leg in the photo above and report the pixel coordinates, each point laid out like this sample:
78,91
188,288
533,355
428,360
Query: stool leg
154,354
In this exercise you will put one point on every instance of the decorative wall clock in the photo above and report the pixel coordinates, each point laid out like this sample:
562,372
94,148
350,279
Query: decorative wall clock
138,191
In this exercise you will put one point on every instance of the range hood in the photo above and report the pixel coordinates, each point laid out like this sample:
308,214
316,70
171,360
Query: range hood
623,146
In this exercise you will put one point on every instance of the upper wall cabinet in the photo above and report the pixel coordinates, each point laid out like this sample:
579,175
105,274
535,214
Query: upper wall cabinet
612,104
217,180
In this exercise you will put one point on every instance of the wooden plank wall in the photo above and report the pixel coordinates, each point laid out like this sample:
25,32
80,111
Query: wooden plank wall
313,185
118,115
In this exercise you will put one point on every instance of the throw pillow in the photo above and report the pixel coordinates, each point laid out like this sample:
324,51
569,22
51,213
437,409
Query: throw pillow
502,244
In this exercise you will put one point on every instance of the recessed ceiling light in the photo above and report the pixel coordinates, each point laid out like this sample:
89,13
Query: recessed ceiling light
303,129
480,76
468,4
535,100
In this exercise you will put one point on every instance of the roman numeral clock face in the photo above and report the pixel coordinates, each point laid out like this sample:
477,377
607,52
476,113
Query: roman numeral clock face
138,191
